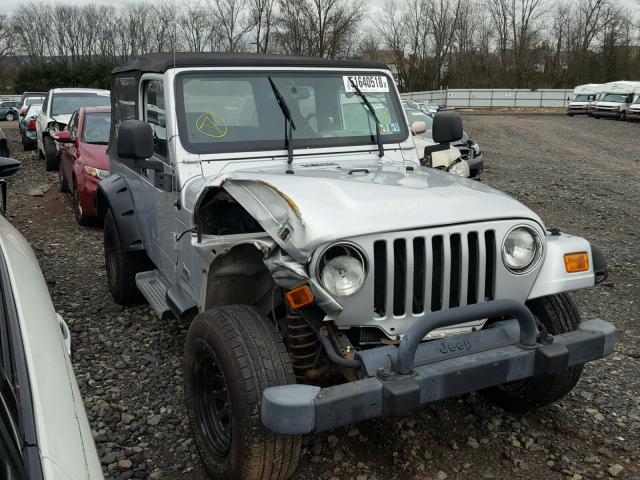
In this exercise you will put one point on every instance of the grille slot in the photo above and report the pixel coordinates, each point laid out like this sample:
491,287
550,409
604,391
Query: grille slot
399,275
379,277
431,273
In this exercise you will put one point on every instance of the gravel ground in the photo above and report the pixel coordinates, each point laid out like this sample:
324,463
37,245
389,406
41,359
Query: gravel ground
579,174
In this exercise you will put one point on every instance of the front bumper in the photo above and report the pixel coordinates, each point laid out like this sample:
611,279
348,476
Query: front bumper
476,166
606,113
400,379
577,111
633,115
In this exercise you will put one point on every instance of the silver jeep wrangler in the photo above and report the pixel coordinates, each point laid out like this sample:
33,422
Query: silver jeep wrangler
278,204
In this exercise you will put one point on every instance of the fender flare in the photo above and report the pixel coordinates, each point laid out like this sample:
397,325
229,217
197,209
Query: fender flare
114,194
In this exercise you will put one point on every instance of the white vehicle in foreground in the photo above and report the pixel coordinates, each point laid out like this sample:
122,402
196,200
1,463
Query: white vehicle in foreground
583,96
616,99
44,432
57,108
633,113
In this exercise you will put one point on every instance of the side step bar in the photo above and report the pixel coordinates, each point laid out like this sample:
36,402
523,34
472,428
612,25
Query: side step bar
154,288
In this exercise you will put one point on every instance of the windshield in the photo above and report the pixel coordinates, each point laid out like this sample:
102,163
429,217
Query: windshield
31,100
233,112
33,109
614,97
67,103
583,98
418,116
96,128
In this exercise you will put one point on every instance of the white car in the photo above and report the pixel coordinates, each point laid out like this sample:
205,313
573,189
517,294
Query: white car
57,108
44,432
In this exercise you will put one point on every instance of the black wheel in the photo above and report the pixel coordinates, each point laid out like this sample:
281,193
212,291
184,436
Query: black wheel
4,149
557,314
121,266
623,116
231,355
81,218
50,154
570,114
63,186
10,117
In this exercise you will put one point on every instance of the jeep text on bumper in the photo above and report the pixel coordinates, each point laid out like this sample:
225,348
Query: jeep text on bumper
400,379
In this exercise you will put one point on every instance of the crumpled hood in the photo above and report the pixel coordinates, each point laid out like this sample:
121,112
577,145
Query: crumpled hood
326,202
62,119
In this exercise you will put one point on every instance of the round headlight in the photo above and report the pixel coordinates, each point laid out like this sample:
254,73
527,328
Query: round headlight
460,168
342,270
521,249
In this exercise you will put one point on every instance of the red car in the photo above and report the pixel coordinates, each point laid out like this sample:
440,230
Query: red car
83,159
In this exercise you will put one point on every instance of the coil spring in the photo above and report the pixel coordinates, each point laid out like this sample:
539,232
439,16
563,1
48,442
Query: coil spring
304,346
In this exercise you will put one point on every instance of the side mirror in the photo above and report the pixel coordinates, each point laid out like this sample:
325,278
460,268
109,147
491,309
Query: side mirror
447,127
418,127
64,137
135,140
8,166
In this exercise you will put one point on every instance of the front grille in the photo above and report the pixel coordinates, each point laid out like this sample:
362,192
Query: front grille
466,153
427,273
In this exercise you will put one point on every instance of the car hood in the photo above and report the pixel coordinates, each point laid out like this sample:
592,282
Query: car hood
609,104
322,203
62,119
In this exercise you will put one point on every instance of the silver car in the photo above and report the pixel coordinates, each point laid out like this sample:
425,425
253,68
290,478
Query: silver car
44,432
278,205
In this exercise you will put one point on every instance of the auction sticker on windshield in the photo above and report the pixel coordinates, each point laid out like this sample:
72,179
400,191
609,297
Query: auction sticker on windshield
366,83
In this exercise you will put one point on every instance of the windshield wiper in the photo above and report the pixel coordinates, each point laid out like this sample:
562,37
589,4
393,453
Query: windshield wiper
289,126
373,114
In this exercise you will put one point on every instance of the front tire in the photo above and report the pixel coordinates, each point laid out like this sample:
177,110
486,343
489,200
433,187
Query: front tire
78,211
557,314
231,355
122,267
50,154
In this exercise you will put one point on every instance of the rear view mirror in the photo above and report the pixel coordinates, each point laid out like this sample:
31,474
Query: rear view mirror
64,137
447,127
8,166
135,140
418,127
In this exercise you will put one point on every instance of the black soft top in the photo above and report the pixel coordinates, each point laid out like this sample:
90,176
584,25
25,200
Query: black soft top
161,62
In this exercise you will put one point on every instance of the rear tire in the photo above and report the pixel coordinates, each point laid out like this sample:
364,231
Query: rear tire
9,117
231,355
122,267
50,154
557,314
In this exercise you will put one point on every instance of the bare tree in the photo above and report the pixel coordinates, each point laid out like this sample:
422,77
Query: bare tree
196,25
234,23
262,15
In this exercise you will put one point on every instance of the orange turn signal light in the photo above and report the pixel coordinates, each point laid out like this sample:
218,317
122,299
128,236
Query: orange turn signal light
576,262
300,297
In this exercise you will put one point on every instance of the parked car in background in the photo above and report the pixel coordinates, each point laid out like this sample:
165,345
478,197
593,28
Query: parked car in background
9,104
633,113
8,113
468,149
424,106
27,124
44,431
583,96
29,98
57,108
83,158
4,145
616,99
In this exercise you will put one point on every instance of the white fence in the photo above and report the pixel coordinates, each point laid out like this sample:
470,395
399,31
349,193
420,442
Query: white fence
487,97
10,98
